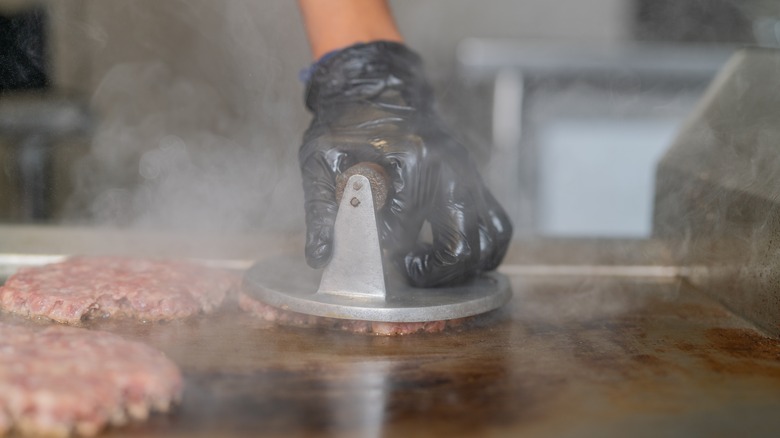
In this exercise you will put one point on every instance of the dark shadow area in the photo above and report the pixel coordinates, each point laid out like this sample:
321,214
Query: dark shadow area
23,63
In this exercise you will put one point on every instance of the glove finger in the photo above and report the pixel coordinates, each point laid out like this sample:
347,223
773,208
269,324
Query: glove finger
495,231
402,217
321,160
318,173
454,255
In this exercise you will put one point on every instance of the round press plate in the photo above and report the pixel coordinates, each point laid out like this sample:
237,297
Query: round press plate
289,284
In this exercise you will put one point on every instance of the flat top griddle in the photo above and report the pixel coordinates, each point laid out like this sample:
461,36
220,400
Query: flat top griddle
569,355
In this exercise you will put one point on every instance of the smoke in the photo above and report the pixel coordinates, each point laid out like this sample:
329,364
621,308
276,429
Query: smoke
196,137
592,299
173,167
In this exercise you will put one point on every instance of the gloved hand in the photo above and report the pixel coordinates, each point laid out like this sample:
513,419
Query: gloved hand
371,102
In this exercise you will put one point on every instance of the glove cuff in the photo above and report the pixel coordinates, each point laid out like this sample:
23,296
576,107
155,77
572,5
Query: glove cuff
365,71
305,74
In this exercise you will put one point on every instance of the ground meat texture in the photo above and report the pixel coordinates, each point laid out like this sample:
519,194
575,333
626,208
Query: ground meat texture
284,317
81,288
59,380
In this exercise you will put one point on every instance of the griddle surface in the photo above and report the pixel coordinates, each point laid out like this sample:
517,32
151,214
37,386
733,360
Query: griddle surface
567,357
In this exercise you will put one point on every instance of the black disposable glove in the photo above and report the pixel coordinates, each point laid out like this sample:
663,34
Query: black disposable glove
372,103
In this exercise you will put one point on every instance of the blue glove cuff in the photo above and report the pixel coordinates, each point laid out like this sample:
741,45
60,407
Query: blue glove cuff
304,75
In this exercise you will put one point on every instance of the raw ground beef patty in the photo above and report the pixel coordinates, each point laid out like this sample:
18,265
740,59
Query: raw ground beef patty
62,380
285,317
81,288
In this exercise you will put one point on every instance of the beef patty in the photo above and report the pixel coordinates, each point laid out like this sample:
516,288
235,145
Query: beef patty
81,288
285,317
64,380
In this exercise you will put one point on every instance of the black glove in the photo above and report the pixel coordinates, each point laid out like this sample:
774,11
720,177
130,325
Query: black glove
371,102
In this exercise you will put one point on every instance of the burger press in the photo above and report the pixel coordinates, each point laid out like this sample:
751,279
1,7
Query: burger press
355,284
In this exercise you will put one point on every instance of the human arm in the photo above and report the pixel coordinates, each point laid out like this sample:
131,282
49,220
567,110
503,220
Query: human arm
336,24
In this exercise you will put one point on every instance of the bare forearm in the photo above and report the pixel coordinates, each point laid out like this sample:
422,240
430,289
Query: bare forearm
335,24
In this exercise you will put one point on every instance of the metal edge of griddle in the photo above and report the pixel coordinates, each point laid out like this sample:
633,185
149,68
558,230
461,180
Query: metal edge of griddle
288,286
11,262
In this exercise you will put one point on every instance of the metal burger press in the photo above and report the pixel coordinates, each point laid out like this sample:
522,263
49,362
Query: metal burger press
355,284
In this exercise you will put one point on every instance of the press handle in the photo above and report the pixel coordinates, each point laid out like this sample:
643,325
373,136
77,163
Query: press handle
376,176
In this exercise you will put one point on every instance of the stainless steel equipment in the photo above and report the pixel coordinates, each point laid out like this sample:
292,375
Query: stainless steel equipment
577,129
718,189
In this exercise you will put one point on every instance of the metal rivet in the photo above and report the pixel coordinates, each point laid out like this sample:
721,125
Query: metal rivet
354,202
357,185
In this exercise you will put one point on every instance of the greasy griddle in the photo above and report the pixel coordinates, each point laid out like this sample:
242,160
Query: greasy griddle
572,354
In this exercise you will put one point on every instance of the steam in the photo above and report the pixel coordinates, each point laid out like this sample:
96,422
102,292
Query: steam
188,144
175,167
593,299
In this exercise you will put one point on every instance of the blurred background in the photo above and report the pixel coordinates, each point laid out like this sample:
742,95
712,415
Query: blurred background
188,115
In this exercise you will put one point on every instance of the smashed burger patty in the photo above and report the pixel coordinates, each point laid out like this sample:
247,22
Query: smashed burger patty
82,288
63,380
286,317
